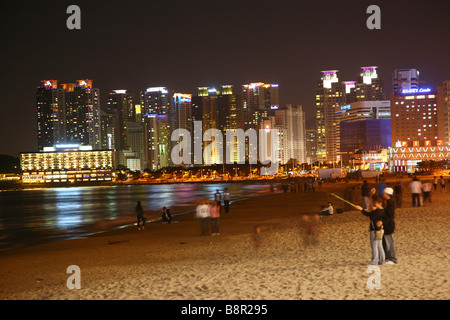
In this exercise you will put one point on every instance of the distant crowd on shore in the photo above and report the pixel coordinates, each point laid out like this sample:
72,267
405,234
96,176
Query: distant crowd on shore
208,212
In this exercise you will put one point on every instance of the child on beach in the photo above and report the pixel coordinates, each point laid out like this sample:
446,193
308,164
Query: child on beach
376,216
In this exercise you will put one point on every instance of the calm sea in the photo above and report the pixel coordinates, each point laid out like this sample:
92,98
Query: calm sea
35,216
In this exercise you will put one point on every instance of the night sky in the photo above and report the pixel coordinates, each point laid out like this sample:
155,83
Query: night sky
184,44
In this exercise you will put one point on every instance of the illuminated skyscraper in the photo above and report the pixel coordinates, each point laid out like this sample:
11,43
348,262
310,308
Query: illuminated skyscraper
258,99
369,86
330,96
51,109
120,105
83,113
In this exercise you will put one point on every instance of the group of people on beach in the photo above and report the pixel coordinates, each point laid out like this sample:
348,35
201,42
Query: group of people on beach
166,217
208,212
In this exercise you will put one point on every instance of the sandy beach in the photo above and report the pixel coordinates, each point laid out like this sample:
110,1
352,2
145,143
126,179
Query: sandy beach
173,262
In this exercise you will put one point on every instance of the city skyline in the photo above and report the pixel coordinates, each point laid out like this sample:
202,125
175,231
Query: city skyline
302,40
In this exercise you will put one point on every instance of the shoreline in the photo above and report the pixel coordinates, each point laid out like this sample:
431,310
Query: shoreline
168,261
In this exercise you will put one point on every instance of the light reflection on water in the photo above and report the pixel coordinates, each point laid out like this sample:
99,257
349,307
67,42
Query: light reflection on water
43,215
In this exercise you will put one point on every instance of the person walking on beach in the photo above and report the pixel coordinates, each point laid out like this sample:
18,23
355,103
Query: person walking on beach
140,216
426,189
416,189
376,215
203,213
214,215
226,200
443,185
435,183
389,226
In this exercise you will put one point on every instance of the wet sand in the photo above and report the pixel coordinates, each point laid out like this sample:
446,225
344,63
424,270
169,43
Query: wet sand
173,262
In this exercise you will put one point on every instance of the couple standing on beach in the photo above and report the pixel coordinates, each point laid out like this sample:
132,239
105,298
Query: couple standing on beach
379,206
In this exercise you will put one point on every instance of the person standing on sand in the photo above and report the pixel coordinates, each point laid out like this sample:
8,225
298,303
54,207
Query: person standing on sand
218,198
426,189
376,215
443,185
389,226
214,215
203,213
435,183
365,193
416,189
140,215
226,200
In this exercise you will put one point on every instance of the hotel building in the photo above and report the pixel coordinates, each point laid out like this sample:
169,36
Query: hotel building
69,163
416,135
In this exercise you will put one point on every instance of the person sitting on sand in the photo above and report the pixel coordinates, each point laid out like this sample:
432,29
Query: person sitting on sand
166,216
327,210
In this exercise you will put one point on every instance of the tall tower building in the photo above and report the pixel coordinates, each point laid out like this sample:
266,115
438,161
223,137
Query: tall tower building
83,113
290,120
120,104
258,100
369,87
443,92
51,123
330,97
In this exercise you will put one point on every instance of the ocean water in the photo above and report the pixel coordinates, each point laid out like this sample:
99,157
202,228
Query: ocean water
35,216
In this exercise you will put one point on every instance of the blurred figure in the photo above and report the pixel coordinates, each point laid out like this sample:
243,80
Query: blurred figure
226,200
203,213
140,216
398,194
214,210
426,189
258,238
443,185
435,183
166,216
416,189
310,228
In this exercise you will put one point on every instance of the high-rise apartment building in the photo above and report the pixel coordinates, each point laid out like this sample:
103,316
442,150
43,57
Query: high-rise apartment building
311,145
330,97
83,113
258,99
119,104
51,114
369,86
